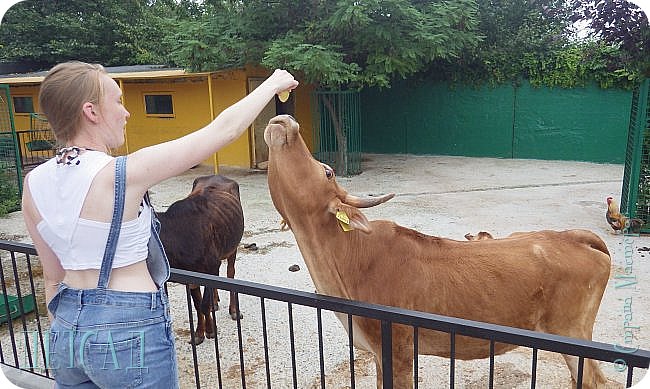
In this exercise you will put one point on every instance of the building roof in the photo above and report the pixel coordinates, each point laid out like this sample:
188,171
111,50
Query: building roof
116,72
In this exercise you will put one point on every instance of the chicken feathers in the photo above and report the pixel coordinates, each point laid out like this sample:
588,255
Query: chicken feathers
620,222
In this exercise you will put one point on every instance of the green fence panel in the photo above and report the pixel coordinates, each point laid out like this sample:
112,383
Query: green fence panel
385,117
461,121
583,124
337,129
436,118
635,193
10,167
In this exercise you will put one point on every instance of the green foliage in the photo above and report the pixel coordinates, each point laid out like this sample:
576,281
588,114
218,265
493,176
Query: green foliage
621,24
334,45
208,38
343,44
324,65
105,31
535,41
9,196
577,65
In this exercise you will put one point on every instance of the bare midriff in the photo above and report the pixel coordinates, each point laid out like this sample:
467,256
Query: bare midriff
130,278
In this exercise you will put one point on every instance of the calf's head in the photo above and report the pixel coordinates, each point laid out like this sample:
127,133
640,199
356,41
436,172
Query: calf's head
304,190
217,183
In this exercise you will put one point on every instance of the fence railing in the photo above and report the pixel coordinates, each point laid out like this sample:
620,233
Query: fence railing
35,146
32,332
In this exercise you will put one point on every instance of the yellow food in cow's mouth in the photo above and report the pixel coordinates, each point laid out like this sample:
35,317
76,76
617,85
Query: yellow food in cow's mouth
283,96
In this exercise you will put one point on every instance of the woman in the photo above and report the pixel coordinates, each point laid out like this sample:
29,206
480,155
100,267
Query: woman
110,315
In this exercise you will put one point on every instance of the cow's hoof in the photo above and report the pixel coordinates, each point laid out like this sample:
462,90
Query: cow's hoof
235,315
209,335
196,340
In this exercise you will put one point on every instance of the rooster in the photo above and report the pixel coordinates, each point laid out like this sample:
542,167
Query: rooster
620,222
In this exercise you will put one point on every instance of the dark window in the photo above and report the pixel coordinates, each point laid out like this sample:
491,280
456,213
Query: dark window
23,104
158,104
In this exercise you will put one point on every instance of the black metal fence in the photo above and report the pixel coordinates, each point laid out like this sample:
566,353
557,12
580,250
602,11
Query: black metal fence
24,335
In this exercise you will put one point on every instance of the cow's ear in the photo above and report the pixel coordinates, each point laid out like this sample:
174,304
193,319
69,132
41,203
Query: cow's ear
349,217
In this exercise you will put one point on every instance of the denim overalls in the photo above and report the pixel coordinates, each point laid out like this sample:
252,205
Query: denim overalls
113,339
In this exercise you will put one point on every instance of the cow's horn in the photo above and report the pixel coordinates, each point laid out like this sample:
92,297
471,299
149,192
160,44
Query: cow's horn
368,201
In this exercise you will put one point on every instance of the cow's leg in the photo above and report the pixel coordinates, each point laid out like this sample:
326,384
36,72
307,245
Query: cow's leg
402,370
592,376
578,322
402,360
210,296
230,272
379,370
199,333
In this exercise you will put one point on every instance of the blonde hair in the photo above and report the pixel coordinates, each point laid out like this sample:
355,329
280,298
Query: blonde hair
64,91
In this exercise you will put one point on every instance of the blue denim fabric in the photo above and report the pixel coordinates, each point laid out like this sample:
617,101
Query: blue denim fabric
157,262
102,338
112,339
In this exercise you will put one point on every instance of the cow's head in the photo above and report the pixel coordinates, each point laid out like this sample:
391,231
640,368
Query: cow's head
218,182
305,190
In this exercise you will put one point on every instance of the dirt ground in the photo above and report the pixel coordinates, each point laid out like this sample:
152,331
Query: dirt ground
437,195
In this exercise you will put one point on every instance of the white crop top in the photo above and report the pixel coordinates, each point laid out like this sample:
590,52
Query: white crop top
58,192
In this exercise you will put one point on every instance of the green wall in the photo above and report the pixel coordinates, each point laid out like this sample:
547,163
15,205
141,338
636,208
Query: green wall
582,124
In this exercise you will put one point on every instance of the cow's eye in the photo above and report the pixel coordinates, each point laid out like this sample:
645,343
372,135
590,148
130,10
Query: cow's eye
329,173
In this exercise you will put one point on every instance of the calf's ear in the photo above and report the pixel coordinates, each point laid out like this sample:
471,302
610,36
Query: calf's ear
349,217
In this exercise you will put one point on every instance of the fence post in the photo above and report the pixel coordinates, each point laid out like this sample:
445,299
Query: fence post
387,354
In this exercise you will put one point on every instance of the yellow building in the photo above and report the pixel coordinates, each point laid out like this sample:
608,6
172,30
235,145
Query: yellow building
169,103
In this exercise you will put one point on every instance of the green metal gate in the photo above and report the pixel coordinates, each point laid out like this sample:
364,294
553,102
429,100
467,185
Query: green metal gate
635,194
37,144
337,130
10,167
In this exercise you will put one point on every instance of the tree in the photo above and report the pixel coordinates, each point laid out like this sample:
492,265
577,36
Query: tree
110,32
333,45
360,44
619,23
537,41
343,44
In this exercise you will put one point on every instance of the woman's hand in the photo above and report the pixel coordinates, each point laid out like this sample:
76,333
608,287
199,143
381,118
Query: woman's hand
281,80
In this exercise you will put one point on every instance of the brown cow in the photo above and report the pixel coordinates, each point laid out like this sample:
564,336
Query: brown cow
198,232
546,281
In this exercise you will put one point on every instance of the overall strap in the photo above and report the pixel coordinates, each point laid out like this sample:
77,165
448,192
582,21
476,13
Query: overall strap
116,223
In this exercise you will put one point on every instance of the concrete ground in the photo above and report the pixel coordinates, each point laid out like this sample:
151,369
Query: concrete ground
437,195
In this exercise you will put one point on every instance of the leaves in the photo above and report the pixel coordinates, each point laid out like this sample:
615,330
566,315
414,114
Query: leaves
535,40
105,31
333,45
319,64
338,44
621,24
9,195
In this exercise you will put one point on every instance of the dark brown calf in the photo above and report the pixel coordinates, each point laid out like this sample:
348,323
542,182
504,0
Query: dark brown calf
198,232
